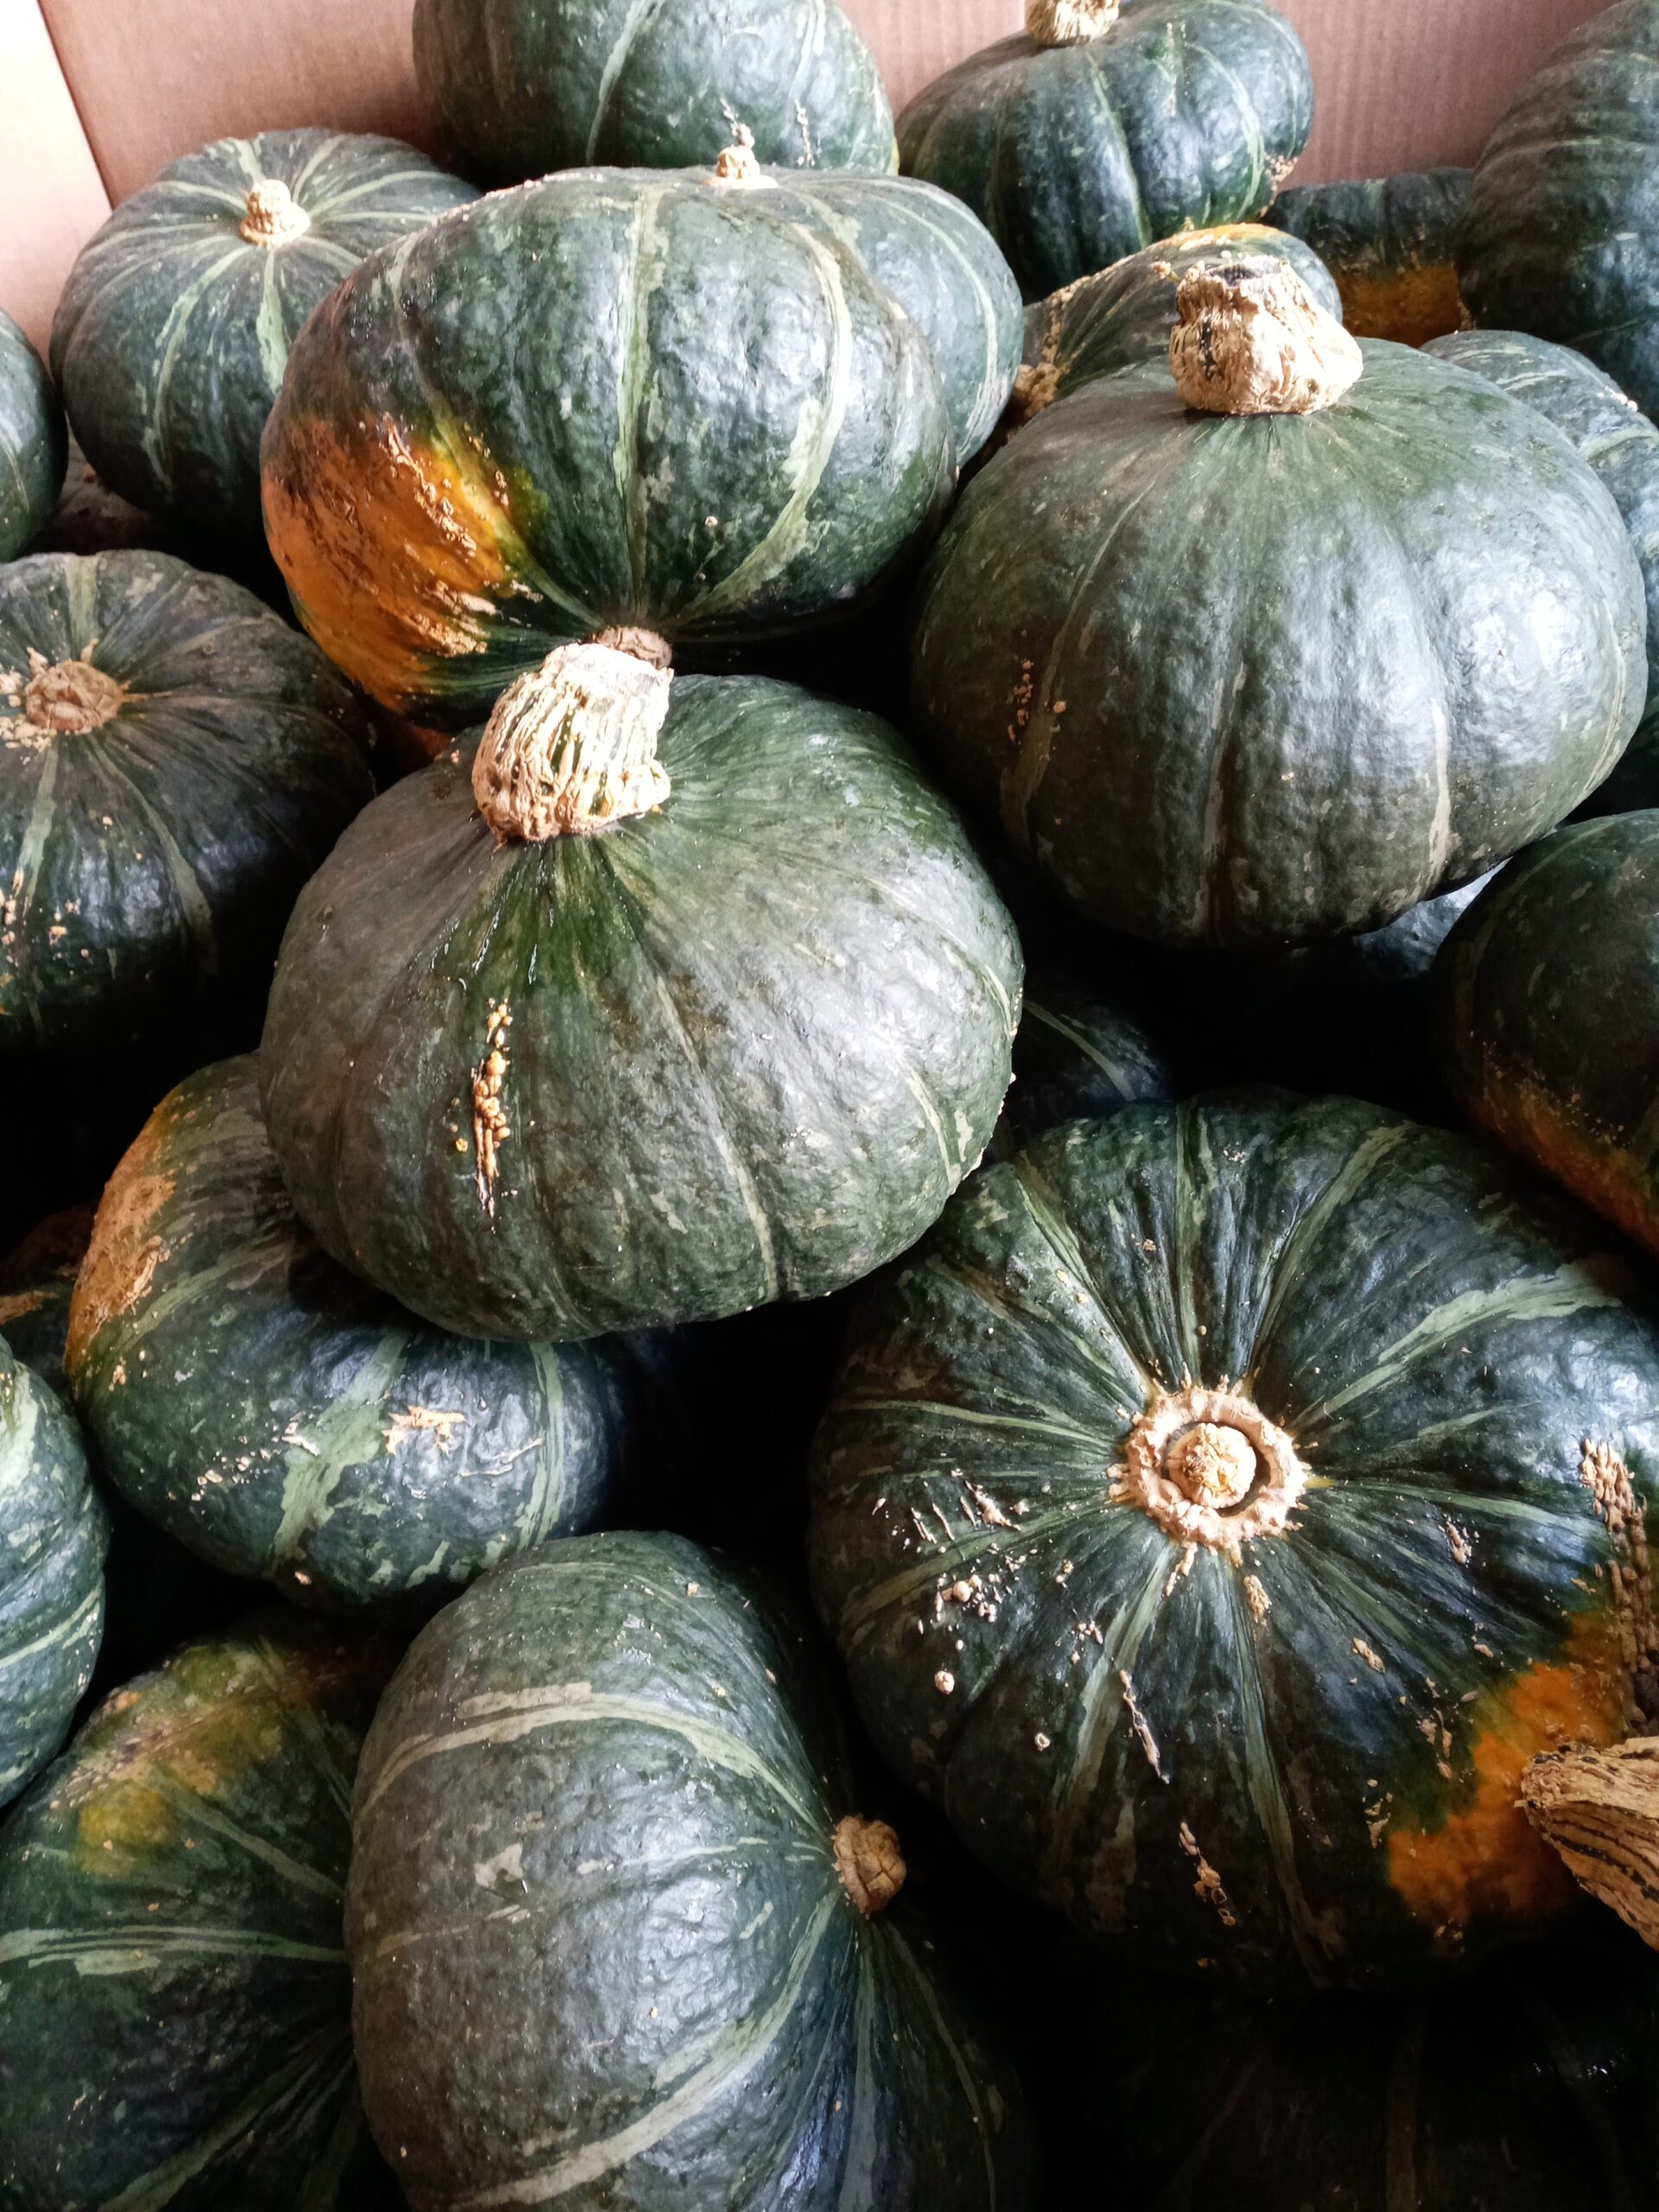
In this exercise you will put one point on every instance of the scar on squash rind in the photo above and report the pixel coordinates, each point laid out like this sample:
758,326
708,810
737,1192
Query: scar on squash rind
123,1257
489,1126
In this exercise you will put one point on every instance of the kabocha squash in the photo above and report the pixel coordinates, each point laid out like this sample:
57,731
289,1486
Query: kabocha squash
281,1419
174,326
38,1280
33,447
53,1535
1220,1507
523,86
1128,313
1558,236
618,1936
614,398
672,997
1101,129
1275,673
174,762
1549,1013
1391,243
1078,1052
172,1975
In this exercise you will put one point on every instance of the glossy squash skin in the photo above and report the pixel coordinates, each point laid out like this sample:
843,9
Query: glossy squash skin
162,799
1080,1052
1549,1013
280,1419
756,1037
174,329
1391,243
523,86
52,1533
614,398
1558,236
1186,113
1356,588
175,1986
602,1954
1274,1730
33,448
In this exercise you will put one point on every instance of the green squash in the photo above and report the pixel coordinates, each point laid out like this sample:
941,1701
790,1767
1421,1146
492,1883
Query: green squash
34,449
53,1535
280,1419
1391,243
663,1066
1079,1052
1217,1512
174,329
171,1977
523,86
1606,429
1558,237
174,762
1549,1013
1078,145
1267,678
615,398
38,1280
618,1937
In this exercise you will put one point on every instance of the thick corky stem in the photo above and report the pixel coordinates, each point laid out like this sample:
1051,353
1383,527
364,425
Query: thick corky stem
870,1864
572,747
1211,1469
1069,22
740,165
71,697
274,216
1600,1810
1253,340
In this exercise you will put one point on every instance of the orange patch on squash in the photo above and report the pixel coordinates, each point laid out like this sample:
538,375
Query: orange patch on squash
1410,306
1591,1163
1487,1862
123,1257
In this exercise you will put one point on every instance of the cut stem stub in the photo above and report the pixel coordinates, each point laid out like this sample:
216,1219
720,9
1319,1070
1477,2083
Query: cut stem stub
740,165
571,749
869,1863
70,698
274,216
1600,1810
1209,1468
1252,339
1069,22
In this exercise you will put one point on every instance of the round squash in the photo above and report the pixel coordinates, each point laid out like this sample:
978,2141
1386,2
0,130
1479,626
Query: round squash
53,1535
523,86
1391,243
542,1063
1099,129
172,1978
612,397
1220,1508
174,762
1549,1013
1079,1052
33,447
1262,675
282,1420
38,1280
174,329
1558,235
618,1936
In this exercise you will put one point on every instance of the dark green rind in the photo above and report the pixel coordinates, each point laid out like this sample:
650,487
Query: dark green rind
758,1036
1440,1337
1185,114
523,86
601,1957
280,1419
1558,236
172,1976
1304,685
1605,427
173,331
34,442
1079,1052
38,1280
151,863
1391,243
53,1535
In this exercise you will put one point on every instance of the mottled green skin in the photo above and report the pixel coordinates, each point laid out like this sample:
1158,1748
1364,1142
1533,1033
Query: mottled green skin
1439,1337
600,1951
1303,683
151,862
1186,113
757,1037
523,86
1605,427
263,1406
1127,313
53,1535
173,331
34,442
1079,1052
1560,235
1390,242
172,1978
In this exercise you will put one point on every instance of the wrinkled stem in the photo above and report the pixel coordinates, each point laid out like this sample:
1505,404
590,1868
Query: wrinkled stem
274,216
870,1864
571,749
1069,22
1253,340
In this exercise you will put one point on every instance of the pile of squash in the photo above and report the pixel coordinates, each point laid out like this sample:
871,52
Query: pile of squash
829,960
